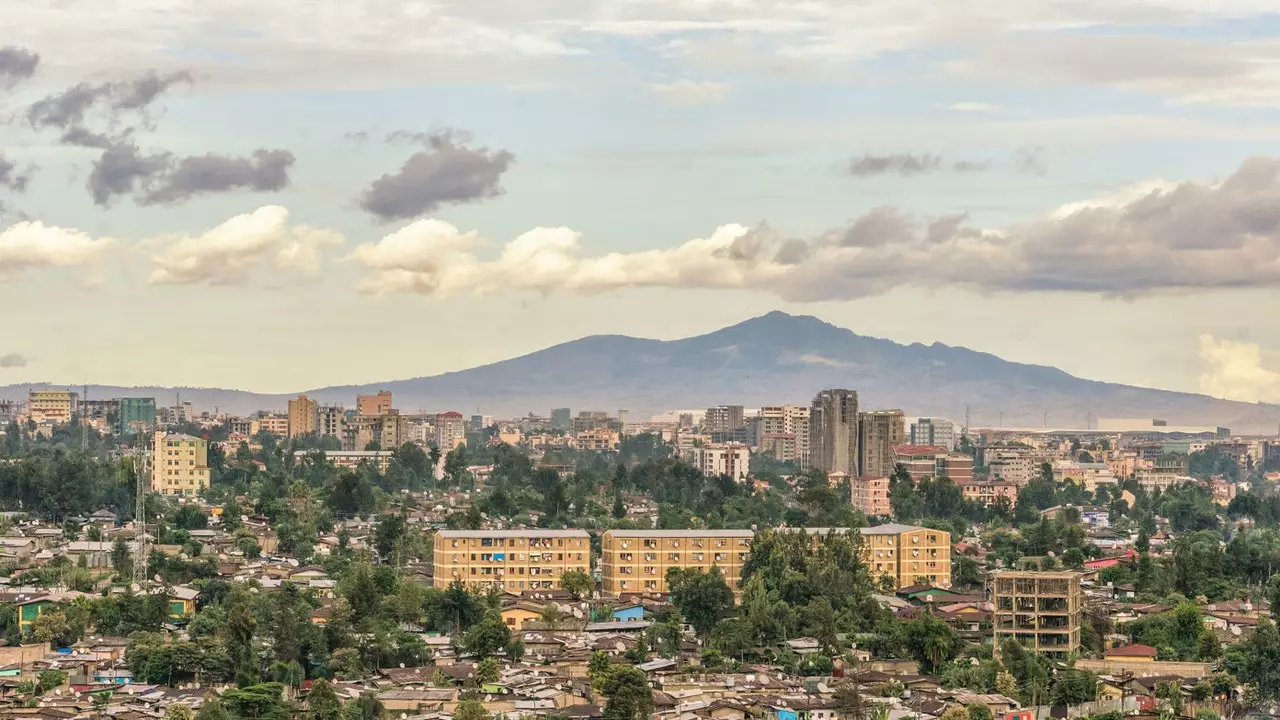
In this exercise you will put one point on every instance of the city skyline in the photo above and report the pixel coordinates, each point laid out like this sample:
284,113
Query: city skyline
417,173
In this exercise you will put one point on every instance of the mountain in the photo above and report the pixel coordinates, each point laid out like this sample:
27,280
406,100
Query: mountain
773,359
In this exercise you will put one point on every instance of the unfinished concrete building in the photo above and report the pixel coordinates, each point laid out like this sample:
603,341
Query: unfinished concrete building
1041,610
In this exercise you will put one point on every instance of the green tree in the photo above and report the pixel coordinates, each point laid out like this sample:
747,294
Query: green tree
931,642
487,637
1074,687
488,671
264,701
978,711
702,598
213,709
1257,660
323,702
628,693
471,710
577,583
121,557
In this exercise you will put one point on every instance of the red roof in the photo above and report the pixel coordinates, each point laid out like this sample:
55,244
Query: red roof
1132,651
450,414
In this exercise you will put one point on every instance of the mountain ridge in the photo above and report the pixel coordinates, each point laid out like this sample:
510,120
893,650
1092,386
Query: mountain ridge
770,359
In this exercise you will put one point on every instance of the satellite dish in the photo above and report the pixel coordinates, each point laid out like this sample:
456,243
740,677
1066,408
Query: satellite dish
157,578
135,587
401,666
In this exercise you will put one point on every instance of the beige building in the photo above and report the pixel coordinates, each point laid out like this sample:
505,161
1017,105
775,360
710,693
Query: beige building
379,404
715,459
511,560
879,432
988,492
352,459
304,416
638,560
277,425
1041,610
51,406
451,431
179,464
909,555
330,421
784,433
597,439
870,495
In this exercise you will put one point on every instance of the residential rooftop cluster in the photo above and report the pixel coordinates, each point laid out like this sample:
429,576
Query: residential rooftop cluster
815,561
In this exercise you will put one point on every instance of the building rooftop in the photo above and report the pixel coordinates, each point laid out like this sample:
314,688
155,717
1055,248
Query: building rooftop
890,529
511,533
680,533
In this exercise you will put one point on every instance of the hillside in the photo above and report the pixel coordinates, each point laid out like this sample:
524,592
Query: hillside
775,358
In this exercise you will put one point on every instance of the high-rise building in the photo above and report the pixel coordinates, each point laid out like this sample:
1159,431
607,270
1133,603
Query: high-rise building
783,431
638,560
379,404
908,555
511,560
724,419
137,415
933,431
450,431
879,431
304,416
51,406
330,419
833,431
1040,610
179,464
561,419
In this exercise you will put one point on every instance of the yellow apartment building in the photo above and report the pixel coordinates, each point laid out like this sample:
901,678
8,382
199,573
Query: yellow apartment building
908,554
179,464
511,560
638,560
51,406
304,416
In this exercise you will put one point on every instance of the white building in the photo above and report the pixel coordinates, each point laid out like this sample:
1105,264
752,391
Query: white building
784,430
732,459
933,431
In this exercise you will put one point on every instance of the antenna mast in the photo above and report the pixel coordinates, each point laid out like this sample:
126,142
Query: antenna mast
141,548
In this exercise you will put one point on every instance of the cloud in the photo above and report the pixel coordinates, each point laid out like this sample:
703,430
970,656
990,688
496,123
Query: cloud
12,360
265,171
1191,237
904,164
230,253
1030,161
1234,370
974,107
123,168
688,92
820,360
106,103
11,178
29,245
16,64
1186,70
446,172
161,179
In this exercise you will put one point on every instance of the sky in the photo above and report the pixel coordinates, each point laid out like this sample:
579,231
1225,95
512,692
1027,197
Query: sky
287,195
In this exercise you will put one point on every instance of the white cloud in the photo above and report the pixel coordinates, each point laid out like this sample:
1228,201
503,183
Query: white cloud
230,253
691,92
1169,238
974,107
28,245
1234,370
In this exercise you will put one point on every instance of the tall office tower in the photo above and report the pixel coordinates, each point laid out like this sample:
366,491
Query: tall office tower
880,430
561,419
833,431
